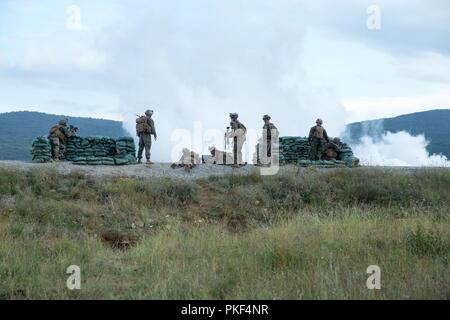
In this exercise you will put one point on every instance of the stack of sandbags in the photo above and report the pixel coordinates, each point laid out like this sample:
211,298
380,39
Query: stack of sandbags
41,150
347,156
322,163
100,151
293,149
125,151
91,150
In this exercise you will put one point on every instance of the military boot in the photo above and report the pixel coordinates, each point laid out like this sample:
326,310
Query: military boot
149,162
139,161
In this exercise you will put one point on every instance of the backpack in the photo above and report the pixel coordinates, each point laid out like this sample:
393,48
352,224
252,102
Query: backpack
55,131
318,133
142,125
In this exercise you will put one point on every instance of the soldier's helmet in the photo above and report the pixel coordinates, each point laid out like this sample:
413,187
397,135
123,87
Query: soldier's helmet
266,117
148,112
185,150
62,122
337,140
234,115
319,121
211,148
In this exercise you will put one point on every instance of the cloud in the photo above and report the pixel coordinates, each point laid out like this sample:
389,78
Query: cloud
199,60
367,108
220,58
63,57
428,67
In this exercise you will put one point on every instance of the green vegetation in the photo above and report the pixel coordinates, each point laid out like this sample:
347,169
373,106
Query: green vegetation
304,236
18,129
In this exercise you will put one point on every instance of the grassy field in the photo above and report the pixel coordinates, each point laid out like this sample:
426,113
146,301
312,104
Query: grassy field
306,236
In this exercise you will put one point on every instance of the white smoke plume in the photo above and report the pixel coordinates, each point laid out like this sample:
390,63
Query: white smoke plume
193,62
397,149
194,67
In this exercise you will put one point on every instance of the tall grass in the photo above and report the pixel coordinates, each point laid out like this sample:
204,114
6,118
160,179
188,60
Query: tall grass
304,236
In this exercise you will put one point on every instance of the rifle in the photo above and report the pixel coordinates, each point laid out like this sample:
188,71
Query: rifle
72,131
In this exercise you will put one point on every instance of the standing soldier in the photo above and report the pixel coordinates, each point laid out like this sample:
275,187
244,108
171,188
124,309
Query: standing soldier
270,136
58,136
317,137
145,128
237,133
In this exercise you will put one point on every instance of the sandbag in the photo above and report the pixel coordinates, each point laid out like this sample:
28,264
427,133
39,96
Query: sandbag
41,150
295,150
89,150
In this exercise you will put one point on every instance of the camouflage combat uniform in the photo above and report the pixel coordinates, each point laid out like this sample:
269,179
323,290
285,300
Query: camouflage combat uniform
220,157
270,136
188,160
58,136
145,140
238,131
317,138
332,150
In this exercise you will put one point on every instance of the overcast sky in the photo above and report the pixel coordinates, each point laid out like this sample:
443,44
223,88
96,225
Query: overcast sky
199,60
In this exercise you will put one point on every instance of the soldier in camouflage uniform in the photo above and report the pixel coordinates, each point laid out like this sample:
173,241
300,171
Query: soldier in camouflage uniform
145,140
317,138
237,133
220,157
270,136
332,149
58,136
188,160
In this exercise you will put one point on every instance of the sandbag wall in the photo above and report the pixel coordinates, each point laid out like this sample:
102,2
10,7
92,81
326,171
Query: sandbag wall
296,150
347,156
101,151
41,150
89,150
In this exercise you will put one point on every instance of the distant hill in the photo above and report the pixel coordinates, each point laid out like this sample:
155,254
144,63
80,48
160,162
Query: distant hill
18,129
434,124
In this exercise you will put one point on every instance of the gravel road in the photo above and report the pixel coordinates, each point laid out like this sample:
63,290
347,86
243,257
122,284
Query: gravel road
163,169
